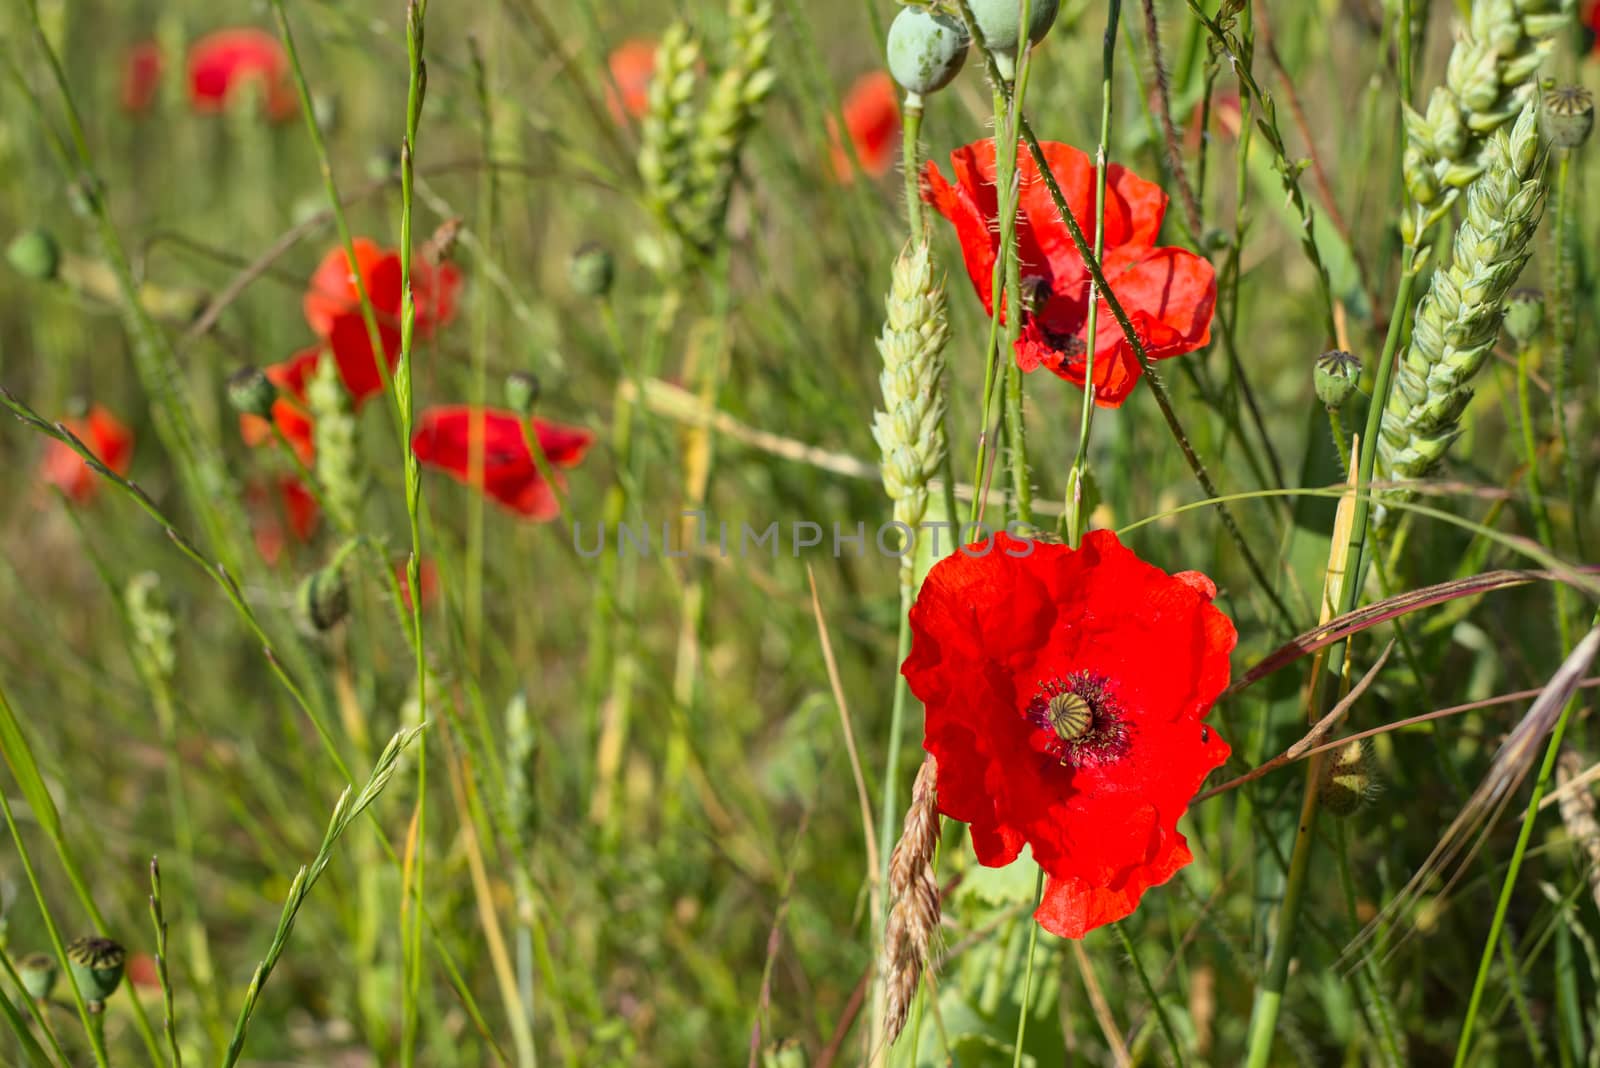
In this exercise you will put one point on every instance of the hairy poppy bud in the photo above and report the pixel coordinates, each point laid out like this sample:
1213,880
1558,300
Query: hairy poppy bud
1335,377
323,599
1568,115
1524,316
96,965
251,392
926,50
997,20
34,254
522,392
591,270
1347,780
38,974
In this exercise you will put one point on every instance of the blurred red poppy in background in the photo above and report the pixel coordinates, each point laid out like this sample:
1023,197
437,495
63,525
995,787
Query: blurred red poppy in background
105,436
633,65
1591,26
1066,692
510,475
289,410
224,63
332,290
1168,293
141,76
427,578
292,507
872,119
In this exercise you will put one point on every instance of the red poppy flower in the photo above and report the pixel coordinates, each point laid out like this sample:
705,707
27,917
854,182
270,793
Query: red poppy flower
1591,26
1168,293
510,475
1066,692
289,410
352,350
142,972
105,436
633,65
872,119
295,508
332,291
221,64
141,76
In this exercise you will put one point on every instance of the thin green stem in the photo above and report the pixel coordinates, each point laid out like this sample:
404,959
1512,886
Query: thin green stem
1027,975
1503,903
911,162
1074,518
1149,988
1566,324
1534,482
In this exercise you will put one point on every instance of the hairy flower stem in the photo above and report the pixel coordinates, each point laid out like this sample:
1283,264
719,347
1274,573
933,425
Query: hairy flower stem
911,162
1091,263
1546,769
1535,484
1073,516
1566,324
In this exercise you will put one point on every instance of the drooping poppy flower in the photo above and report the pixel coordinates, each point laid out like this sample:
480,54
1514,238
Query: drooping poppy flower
445,441
332,291
289,410
1066,692
292,511
105,436
632,65
872,120
224,63
1168,293
141,77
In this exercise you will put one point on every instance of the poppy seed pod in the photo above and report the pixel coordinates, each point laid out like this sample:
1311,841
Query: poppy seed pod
591,270
522,392
1524,316
926,50
34,254
998,21
1335,377
38,974
323,599
251,392
96,965
1568,115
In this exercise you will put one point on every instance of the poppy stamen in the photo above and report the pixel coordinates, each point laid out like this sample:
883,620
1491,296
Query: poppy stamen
1086,725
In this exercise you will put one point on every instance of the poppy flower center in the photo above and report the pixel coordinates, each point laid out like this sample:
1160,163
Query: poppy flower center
1080,721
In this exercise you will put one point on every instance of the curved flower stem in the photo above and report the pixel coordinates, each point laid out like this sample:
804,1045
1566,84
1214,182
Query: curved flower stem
1074,518
1091,262
1027,976
1546,770
1150,992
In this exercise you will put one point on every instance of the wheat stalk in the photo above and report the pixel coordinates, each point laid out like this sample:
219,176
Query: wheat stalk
1458,320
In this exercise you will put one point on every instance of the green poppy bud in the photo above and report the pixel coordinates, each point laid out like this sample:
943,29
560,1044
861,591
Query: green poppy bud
38,974
997,20
522,392
1335,377
1568,115
591,270
34,254
96,965
1524,316
251,392
323,599
926,50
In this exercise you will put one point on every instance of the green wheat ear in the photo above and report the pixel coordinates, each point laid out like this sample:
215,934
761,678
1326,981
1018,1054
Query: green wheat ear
910,428
1459,319
334,434
1488,82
